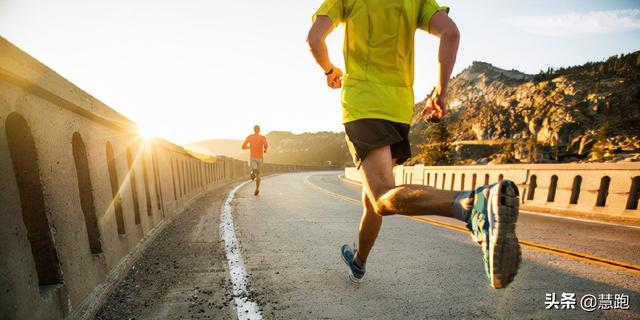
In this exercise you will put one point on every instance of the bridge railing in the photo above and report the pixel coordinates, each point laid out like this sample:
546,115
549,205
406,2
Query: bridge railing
607,190
81,194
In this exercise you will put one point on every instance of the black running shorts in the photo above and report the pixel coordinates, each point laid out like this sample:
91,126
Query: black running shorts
365,135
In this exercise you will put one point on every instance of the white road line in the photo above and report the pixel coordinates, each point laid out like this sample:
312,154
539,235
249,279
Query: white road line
245,308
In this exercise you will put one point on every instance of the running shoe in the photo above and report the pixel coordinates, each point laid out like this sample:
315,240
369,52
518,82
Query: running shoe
348,255
493,225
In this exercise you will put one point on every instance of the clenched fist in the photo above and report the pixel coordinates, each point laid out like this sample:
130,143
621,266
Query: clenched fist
334,78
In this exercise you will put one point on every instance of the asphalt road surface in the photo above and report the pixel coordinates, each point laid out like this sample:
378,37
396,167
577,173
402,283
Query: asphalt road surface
290,237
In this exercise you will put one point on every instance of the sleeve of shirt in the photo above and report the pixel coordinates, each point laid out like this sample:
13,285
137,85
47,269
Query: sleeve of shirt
427,9
333,9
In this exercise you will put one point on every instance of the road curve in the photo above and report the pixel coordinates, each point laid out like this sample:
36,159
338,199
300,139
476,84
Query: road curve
291,232
289,237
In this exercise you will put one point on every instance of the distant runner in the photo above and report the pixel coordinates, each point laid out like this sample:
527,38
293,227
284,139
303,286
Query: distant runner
377,105
258,145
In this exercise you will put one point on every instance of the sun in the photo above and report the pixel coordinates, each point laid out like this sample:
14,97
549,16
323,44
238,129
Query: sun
147,132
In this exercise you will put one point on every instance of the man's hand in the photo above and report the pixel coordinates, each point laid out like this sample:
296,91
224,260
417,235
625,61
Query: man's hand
443,27
334,79
435,108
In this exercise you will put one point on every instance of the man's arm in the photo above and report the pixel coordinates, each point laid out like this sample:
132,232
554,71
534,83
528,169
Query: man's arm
319,31
443,27
245,144
266,144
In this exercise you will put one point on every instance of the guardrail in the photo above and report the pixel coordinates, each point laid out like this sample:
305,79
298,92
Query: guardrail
607,190
80,192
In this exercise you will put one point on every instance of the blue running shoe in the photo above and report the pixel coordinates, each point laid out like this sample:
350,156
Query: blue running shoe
348,255
493,225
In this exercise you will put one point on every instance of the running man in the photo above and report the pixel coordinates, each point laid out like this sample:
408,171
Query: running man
377,105
258,146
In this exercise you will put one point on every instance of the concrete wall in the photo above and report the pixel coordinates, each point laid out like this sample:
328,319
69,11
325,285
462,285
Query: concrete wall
80,191
618,199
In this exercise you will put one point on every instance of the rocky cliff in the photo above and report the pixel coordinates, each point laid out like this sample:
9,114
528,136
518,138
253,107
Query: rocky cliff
587,112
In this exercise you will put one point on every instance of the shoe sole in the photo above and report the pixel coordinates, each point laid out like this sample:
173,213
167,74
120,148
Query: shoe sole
351,276
504,250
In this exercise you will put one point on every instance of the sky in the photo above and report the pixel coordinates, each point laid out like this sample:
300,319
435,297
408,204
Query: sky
191,70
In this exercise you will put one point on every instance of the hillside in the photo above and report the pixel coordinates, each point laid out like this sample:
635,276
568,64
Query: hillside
320,148
219,147
587,112
582,113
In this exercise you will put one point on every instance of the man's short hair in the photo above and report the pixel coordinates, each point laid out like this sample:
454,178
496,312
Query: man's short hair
256,128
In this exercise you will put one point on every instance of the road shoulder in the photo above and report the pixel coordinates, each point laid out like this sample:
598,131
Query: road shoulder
183,273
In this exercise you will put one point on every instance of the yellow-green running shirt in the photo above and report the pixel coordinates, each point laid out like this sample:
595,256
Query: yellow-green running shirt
378,53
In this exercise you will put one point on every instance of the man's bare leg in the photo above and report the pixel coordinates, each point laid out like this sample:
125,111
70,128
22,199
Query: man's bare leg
379,184
409,199
369,227
257,171
502,257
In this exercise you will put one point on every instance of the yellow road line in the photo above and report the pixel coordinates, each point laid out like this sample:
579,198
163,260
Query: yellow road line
574,255
347,180
331,193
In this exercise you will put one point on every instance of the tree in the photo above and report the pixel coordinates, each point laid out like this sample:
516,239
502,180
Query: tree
599,147
437,149
507,154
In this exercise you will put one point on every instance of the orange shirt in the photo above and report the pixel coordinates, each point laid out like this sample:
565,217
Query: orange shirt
258,145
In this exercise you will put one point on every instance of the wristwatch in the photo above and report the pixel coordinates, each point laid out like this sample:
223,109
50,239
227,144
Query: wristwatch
329,72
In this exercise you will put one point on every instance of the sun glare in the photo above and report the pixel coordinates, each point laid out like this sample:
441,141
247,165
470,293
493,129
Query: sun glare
147,132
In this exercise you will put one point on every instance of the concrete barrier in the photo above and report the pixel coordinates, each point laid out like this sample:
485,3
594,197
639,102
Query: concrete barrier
598,190
81,192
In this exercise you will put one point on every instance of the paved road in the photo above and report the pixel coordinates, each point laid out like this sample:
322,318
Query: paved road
600,239
290,235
